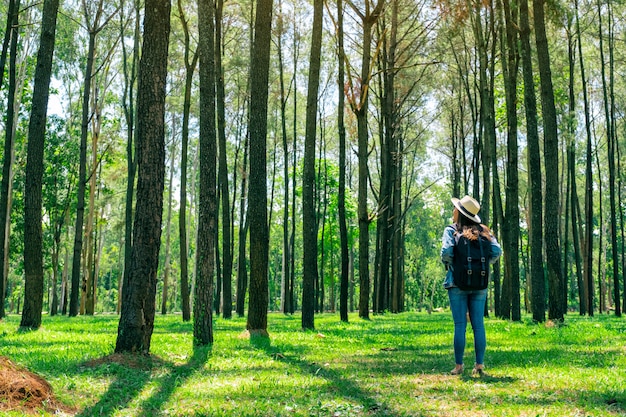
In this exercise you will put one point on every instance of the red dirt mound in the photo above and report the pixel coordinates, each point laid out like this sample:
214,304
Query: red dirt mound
23,390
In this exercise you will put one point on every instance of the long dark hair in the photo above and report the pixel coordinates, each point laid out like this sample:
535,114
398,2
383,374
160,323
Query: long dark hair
471,229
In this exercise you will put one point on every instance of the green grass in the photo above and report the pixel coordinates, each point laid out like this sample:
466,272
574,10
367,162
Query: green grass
392,365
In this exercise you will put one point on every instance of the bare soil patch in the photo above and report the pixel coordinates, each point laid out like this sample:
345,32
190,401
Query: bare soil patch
135,361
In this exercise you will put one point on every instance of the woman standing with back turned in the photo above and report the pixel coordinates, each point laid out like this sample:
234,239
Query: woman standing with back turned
466,224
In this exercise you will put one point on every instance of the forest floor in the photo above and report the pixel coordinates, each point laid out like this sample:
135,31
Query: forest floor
391,365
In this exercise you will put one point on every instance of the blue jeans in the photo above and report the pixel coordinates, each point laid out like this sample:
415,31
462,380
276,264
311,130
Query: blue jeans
460,303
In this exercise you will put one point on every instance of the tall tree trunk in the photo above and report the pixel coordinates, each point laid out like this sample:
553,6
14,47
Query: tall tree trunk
359,105
33,245
605,299
91,226
589,223
82,179
207,209
242,267
138,303
191,61
64,274
571,167
557,304
12,33
295,164
341,202
286,261
309,222
398,232
168,228
227,257
610,135
128,100
9,31
382,288
259,230
511,224
537,276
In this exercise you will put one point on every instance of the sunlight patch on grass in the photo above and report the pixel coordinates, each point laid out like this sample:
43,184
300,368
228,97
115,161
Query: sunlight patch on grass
392,365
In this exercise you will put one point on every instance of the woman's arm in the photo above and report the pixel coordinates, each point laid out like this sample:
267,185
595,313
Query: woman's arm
447,245
496,250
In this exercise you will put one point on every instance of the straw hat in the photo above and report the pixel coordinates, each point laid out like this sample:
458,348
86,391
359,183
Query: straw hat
468,207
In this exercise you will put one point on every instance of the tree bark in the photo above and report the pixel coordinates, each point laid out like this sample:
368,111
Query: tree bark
128,100
512,183
589,222
259,230
227,256
138,303
537,276
557,304
309,226
286,255
207,223
359,103
341,203
191,61
611,161
82,179
168,230
12,34
33,245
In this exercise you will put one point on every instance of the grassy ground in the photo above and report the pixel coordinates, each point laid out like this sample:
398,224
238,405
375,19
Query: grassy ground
393,365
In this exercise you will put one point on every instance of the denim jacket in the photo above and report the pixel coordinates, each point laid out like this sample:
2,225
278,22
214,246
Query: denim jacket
447,247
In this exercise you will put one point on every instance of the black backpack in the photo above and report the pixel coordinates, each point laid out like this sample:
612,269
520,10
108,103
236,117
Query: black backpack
470,262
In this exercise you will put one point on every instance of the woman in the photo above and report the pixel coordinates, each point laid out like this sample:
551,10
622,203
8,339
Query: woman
466,222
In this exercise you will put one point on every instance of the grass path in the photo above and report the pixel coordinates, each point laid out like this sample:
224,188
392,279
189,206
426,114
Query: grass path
392,365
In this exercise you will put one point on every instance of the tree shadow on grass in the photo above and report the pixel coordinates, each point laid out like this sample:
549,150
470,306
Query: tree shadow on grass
133,372
349,389
173,379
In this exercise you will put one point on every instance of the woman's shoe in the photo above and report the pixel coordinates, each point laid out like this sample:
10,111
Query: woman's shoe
457,370
478,371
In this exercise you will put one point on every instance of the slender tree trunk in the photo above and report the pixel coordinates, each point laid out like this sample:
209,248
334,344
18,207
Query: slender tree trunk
309,228
259,230
191,61
65,273
360,107
557,304
341,203
90,228
9,31
294,165
227,256
207,209
138,303
168,230
605,299
512,186
382,285
128,100
571,166
82,179
537,277
11,34
242,267
286,261
611,160
589,226
33,245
